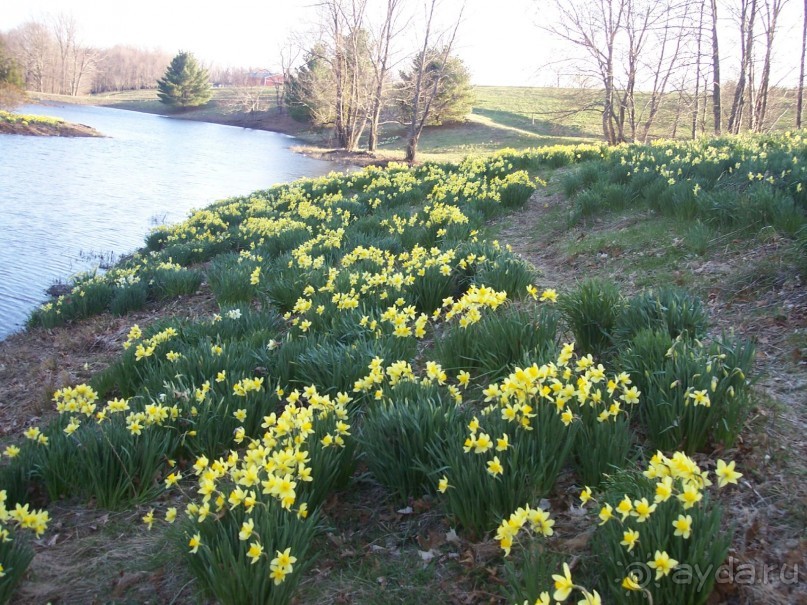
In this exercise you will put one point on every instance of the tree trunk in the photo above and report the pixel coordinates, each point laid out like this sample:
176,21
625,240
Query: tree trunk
800,101
746,49
412,148
696,108
717,109
375,118
339,75
413,134
608,102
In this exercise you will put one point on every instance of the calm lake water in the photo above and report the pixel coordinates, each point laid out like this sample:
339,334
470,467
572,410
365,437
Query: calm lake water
65,202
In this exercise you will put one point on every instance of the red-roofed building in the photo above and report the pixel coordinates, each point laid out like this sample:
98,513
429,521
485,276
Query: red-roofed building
264,77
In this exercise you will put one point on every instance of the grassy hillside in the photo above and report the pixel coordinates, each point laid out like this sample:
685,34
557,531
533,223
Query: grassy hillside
431,383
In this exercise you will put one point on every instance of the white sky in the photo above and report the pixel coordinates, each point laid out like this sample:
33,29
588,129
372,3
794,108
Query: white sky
248,33
499,40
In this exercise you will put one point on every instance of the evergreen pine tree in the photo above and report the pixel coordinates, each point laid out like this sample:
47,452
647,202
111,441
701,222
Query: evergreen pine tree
185,83
12,83
455,97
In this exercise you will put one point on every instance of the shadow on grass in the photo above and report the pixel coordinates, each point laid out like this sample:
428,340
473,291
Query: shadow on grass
530,123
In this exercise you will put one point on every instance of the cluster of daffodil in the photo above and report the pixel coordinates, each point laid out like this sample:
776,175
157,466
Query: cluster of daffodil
81,399
570,389
22,516
537,521
570,386
271,470
201,225
679,486
146,348
751,156
401,371
318,209
394,277
470,305
397,277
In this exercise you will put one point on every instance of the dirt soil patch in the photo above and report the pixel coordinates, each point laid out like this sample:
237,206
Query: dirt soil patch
34,363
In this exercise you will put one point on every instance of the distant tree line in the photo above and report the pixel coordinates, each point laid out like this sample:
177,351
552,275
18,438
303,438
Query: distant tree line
52,58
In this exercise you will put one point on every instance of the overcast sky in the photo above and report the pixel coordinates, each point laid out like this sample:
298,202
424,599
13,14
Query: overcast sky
499,40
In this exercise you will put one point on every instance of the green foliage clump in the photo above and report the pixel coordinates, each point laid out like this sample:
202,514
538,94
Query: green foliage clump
229,276
495,344
476,498
126,299
668,309
223,566
306,93
702,550
735,184
399,437
601,447
12,81
692,393
591,312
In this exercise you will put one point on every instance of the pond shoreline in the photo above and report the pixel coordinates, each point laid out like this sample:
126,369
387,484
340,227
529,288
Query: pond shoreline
311,144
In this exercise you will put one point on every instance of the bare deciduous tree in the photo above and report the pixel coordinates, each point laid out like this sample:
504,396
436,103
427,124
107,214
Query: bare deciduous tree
422,96
128,68
289,53
32,44
772,9
671,34
381,65
343,25
631,45
747,16
593,27
698,62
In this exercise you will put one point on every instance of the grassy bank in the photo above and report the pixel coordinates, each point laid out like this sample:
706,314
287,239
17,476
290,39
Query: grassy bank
408,376
30,125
